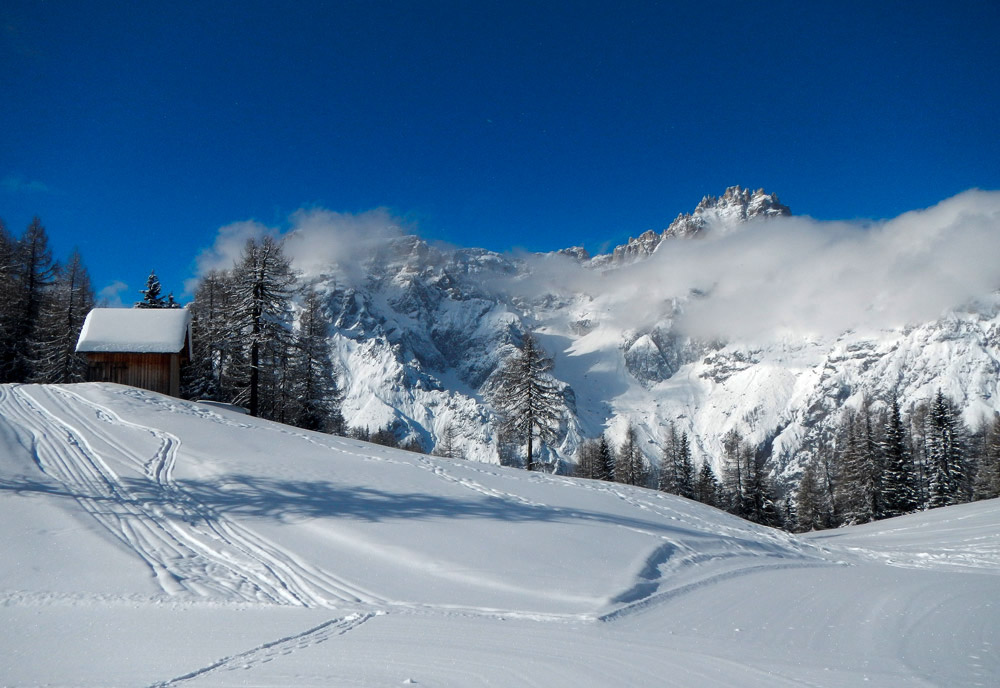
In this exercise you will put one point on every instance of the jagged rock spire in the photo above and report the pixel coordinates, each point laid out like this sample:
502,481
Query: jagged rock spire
734,206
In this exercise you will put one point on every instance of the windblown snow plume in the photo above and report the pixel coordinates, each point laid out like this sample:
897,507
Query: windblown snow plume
798,275
320,239
809,277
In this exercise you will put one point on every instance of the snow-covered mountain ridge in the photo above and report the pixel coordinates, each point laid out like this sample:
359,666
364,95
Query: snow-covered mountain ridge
736,205
738,315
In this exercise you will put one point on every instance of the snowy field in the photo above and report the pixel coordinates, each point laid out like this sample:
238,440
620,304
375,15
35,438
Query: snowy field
148,541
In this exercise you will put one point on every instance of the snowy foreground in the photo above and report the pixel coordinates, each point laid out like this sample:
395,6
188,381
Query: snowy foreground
148,541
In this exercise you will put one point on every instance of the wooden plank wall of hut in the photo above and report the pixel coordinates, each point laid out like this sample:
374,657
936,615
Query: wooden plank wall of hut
147,371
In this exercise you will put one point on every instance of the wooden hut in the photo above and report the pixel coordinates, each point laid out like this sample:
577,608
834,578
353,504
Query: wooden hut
141,347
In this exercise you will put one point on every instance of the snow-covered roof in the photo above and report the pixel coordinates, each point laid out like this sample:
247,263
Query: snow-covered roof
135,330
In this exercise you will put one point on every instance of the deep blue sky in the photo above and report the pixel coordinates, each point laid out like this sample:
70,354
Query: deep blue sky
136,129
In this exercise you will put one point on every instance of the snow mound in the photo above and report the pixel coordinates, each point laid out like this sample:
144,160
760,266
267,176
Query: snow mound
135,330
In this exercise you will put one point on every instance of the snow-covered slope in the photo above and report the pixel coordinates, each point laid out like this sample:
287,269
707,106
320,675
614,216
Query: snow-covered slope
151,541
737,316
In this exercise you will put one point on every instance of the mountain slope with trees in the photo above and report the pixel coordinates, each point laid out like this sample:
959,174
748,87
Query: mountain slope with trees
809,417
419,330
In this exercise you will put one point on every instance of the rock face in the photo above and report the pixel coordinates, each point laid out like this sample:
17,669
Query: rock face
419,333
636,249
736,205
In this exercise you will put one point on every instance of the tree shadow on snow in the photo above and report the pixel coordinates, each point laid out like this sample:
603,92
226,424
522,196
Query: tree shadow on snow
283,499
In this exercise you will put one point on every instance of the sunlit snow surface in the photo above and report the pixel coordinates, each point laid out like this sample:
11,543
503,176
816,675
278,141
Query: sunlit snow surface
136,330
149,541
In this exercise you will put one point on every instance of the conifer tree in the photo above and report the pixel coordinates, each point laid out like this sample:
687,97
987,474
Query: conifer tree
8,300
677,474
261,301
747,481
735,457
947,470
71,298
870,466
7,244
605,460
898,480
358,432
315,395
987,483
207,375
667,481
789,516
151,297
860,488
706,488
587,459
828,477
685,468
595,460
507,447
630,466
447,446
809,500
277,375
385,437
416,446
32,274
919,423
526,397
759,500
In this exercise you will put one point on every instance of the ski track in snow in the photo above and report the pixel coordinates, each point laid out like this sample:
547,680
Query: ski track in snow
122,474
276,648
669,559
278,574
434,465
666,560
342,446
664,563
189,547
658,597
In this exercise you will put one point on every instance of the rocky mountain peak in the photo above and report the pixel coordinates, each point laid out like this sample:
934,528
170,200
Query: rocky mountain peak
743,203
636,249
736,205
576,252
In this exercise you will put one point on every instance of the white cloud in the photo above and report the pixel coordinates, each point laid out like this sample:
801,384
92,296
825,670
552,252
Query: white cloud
228,245
800,275
316,241
810,277
320,239
111,295
226,249
15,183
782,275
